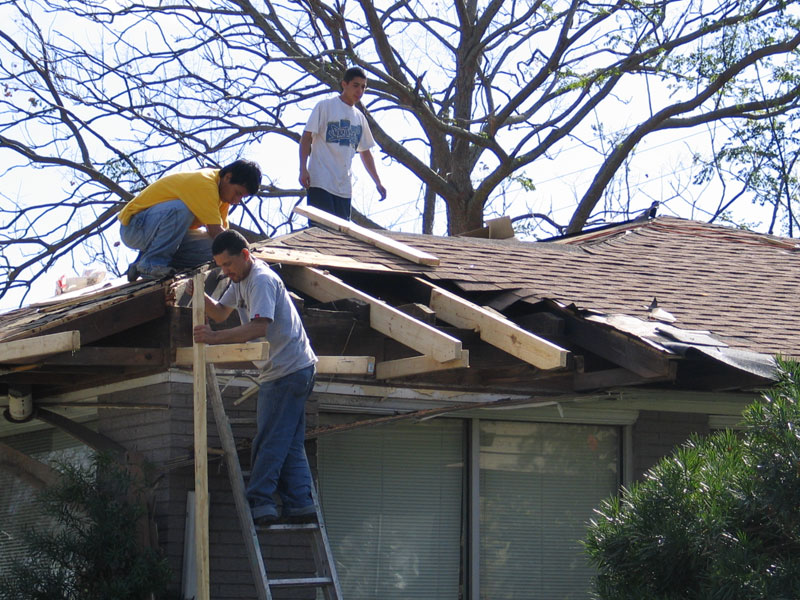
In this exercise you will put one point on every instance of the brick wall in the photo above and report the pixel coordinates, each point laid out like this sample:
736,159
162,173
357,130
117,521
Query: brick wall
165,438
657,433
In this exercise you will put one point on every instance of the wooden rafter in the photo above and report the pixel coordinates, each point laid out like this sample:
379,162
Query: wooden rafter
415,365
496,330
367,235
383,318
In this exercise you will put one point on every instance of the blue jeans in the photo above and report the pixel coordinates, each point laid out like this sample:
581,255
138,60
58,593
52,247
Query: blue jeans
279,460
324,200
161,234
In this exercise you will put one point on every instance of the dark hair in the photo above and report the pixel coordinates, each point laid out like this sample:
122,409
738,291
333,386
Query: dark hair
244,172
352,73
229,240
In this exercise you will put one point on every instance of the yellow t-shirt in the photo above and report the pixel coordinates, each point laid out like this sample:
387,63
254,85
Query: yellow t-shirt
199,190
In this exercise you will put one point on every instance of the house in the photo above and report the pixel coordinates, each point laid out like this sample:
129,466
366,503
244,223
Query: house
486,400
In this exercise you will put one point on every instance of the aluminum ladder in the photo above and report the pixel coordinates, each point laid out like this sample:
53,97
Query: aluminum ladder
325,578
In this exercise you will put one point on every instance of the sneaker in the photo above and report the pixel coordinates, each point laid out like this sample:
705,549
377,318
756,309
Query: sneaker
265,520
301,519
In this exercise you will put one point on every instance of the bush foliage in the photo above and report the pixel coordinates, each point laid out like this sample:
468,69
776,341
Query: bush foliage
717,520
92,552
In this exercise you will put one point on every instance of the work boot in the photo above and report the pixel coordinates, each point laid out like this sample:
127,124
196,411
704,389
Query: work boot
156,272
133,274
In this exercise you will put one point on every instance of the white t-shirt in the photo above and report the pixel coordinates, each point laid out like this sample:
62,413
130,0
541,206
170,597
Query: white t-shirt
338,131
262,294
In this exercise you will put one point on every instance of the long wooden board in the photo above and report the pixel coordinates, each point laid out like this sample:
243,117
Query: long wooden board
21,351
418,364
368,235
496,330
201,535
290,256
225,353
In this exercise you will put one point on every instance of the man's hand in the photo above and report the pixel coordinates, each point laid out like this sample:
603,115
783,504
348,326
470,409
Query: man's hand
203,334
381,191
305,178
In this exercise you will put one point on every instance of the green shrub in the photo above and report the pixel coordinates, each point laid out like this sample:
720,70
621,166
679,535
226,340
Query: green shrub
717,520
92,552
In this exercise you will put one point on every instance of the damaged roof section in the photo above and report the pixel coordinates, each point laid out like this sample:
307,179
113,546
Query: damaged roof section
562,316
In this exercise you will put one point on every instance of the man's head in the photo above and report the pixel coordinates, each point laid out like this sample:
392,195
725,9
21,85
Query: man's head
232,254
239,179
354,84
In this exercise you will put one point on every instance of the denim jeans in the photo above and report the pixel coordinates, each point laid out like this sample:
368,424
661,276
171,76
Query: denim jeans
161,234
324,200
278,455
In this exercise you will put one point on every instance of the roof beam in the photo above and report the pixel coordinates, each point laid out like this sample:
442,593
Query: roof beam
497,330
367,235
415,365
43,345
382,317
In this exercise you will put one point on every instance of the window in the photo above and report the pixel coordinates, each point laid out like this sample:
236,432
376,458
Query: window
394,499
391,497
18,511
539,483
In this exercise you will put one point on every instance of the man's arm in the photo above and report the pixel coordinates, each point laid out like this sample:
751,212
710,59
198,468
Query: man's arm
305,152
242,333
214,230
369,165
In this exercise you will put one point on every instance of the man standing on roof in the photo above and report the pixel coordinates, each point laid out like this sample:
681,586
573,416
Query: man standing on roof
335,131
267,313
163,222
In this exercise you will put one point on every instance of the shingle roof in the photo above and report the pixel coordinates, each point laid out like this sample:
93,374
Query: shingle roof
740,285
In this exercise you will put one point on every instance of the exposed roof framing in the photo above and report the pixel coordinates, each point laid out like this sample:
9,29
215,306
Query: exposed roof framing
383,318
495,329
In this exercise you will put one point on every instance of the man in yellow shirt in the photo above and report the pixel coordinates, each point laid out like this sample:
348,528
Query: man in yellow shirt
163,222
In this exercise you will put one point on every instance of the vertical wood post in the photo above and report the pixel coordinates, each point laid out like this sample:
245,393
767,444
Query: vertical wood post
200,446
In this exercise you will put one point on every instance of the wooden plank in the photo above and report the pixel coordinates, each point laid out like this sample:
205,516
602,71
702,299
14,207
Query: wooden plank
200,448
29,349
302,258
225,353
383,318
498,331
346,365
418,364
367,235
236,477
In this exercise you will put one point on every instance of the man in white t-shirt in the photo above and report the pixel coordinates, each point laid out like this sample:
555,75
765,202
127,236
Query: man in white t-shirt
267,313
335,131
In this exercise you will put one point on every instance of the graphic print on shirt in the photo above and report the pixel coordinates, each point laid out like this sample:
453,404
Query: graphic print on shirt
343,133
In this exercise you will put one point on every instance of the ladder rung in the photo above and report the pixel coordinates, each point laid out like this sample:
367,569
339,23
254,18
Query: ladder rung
289,527
242,420
301,582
